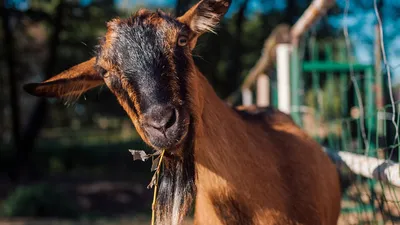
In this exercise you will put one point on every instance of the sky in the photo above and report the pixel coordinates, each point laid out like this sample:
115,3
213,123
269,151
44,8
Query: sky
361,21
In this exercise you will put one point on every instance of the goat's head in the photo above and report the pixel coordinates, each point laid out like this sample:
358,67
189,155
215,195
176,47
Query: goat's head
146,62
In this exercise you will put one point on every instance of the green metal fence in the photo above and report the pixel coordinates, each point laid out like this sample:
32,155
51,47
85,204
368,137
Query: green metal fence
334,98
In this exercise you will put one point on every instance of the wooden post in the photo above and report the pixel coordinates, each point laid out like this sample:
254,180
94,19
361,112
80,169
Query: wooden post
263,87
283,76
247,98
313,13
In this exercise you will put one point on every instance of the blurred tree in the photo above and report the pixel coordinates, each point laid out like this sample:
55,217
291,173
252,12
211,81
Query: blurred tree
69,32
290,12
74,32
179,7
234,68
12,78
2,103
215,58
36,119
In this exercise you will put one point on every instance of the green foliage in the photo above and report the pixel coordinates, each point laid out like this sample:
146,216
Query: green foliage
41,200
396,91
226,58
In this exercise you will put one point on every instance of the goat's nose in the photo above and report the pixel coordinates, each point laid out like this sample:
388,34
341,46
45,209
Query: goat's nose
160,117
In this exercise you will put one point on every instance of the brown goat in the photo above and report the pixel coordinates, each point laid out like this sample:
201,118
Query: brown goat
241,166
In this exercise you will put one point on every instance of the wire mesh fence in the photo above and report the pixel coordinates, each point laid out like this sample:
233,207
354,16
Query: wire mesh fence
350,107
365,201
341,103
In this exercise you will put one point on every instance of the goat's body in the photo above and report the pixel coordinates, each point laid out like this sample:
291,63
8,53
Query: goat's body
248,167
257,167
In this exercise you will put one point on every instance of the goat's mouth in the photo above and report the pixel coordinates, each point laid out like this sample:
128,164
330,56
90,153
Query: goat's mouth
170,129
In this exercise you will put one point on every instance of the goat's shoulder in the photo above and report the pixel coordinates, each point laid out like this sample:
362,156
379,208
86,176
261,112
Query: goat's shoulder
267,114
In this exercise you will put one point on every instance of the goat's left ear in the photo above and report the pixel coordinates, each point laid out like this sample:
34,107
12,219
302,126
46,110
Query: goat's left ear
68,84
204,17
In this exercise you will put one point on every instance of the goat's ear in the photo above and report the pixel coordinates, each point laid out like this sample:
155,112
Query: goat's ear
68,84
204,16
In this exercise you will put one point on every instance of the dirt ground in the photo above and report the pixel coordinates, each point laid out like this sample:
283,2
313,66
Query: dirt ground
386,209
122,221
118,202
345,219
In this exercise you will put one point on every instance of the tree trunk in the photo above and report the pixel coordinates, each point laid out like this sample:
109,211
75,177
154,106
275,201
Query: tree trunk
181,6
290,12
235,66
178,8
37,119
14,97
2,106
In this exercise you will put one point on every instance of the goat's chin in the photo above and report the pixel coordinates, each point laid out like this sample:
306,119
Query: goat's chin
172,141
172,144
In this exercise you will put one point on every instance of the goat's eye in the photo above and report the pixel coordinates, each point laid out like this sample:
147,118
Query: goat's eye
182,41
102,72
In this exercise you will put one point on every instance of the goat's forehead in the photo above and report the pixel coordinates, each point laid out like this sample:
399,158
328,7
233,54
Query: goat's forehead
145,32
156,29
141,22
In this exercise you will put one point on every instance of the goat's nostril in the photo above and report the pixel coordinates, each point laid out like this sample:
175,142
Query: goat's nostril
171,120
161,118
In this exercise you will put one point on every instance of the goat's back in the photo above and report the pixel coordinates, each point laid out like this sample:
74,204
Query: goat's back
306,187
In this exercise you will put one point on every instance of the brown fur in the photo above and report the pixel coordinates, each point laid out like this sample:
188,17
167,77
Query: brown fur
84,74
263,160
230,209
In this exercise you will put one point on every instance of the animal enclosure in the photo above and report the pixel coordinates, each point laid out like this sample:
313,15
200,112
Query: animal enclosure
337,101
346,106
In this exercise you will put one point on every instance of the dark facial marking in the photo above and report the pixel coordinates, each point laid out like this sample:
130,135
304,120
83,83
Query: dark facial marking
117,86
145,52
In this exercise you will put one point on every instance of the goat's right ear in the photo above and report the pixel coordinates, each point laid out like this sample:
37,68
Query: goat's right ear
68,84
204,17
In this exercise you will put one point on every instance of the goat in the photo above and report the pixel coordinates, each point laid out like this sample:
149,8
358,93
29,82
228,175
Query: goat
239,165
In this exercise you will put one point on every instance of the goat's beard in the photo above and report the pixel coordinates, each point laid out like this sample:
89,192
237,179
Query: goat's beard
177,186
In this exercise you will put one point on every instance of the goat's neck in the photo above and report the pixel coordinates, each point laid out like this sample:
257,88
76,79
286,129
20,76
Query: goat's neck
224,143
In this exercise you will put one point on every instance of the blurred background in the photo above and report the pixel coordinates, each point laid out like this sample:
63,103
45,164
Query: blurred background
69,162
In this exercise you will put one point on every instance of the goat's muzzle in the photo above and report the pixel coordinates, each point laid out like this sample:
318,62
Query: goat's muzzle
165,126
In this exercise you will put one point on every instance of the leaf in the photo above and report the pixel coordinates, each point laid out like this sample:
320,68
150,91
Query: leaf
156,153
154,164
153,181
139,155
142,155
